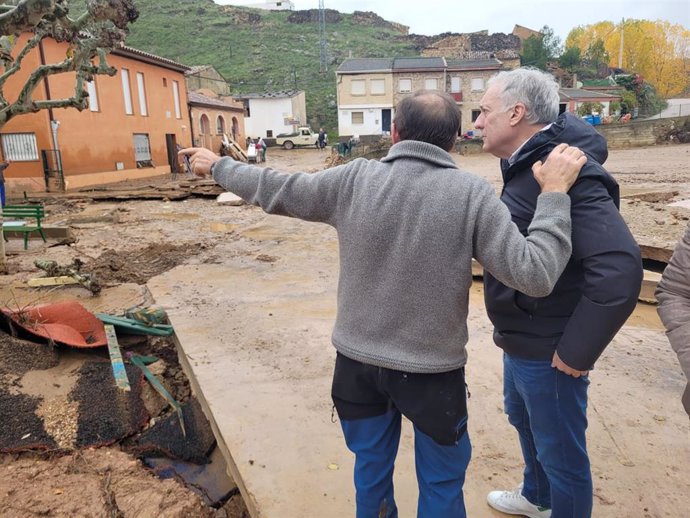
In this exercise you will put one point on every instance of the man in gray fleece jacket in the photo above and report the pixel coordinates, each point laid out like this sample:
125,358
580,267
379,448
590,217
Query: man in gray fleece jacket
408,227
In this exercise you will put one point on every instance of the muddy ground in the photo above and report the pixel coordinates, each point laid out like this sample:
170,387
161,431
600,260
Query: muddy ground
125,243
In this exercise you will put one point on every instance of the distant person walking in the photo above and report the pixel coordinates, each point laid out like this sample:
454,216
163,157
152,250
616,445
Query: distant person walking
408,227
323,139
3,165
261,147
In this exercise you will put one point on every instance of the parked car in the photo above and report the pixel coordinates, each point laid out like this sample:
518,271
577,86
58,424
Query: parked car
304,136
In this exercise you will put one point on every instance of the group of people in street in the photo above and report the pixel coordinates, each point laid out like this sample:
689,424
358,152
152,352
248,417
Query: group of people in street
562,275
256,149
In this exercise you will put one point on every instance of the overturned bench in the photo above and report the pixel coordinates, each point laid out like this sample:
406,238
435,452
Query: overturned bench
20,220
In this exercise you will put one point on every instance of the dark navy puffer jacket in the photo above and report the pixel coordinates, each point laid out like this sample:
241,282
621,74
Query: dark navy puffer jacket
599,287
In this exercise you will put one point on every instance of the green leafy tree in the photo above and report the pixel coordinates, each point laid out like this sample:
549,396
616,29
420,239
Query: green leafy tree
596,53
570,59
90,35
646,97
537,51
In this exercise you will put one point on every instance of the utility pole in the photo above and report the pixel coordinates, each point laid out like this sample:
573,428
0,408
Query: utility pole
620,50
323,51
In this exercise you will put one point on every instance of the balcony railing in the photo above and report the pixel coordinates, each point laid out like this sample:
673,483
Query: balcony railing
457,96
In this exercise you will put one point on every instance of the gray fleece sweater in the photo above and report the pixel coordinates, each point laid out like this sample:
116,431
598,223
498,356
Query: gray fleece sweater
408,227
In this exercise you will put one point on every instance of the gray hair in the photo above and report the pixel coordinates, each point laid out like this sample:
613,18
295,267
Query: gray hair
537,90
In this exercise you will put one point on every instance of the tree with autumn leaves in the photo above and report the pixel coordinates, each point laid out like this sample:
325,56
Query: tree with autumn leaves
658,51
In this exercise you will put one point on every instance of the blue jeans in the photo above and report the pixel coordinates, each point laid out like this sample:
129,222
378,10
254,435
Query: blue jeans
549,410
370,401
440,468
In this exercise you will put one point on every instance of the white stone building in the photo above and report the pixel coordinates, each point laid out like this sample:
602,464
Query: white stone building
269,114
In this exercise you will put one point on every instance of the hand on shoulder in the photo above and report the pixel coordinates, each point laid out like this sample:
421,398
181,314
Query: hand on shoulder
560,170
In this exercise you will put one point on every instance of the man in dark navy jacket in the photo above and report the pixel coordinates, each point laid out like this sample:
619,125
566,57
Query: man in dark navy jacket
551,343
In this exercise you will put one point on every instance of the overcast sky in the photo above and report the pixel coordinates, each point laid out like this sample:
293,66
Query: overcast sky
437,16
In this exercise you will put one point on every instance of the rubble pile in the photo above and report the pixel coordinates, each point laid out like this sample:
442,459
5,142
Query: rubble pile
312,16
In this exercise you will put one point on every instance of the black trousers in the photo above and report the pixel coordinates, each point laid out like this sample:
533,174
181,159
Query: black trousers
434,403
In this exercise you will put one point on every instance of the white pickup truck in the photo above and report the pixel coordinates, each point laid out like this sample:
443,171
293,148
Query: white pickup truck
304,136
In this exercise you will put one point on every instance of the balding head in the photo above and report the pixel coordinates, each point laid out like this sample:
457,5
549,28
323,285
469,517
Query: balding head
428,116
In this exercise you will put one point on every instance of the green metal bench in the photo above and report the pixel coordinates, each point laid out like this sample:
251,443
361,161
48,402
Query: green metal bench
22,213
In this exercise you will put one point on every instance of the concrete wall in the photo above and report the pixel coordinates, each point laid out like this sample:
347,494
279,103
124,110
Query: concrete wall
372,125
637,134
269,114
299,108
207,79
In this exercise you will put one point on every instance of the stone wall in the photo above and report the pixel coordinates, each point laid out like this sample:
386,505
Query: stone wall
640,133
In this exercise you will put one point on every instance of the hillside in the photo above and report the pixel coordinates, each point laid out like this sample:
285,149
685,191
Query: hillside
260,50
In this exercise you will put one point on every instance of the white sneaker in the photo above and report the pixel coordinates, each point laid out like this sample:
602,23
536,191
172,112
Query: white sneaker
512,502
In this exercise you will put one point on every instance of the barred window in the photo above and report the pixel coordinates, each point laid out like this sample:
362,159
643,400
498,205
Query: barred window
20,147
142,150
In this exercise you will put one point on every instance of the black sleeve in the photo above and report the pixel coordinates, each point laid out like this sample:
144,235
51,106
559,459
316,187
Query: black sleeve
612,266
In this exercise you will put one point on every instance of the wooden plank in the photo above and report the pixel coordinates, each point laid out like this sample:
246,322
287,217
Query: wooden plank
118,365
656,253
649,284
52,281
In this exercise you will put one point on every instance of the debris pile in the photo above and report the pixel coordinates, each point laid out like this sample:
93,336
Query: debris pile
170,434
138,266
312,16
63,274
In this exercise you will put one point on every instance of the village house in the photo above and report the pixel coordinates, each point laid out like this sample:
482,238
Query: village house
213,112
369,88
272,113
203,78
130,128
573,98
212,119
365,96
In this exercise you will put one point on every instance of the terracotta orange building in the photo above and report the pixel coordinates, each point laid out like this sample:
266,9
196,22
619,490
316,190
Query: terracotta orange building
130,129
213,118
